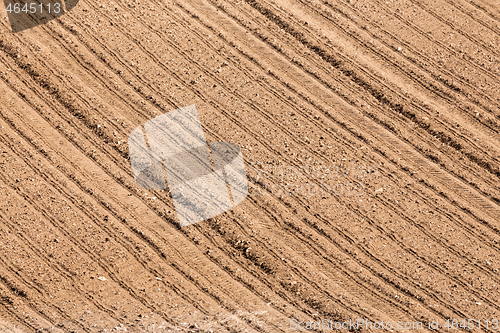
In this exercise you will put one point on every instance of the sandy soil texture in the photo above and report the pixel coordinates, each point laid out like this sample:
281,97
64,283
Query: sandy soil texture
370,134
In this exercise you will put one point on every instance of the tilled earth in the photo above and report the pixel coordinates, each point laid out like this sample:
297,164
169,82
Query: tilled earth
370,133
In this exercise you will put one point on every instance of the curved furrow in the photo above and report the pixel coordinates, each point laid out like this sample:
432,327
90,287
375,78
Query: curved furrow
347,12
254,245
369,266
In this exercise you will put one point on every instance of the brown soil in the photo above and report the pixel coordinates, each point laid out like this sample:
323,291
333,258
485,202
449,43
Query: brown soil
406,91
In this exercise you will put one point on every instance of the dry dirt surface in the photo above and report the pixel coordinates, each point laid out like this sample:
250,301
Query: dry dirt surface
370,134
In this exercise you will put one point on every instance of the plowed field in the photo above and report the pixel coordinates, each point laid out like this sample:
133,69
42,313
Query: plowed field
370,131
